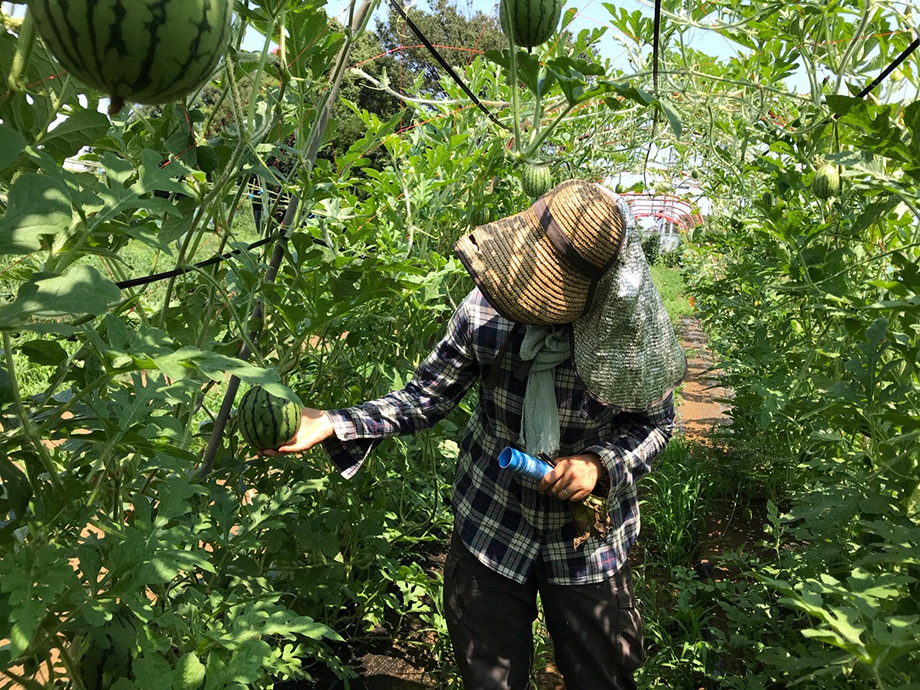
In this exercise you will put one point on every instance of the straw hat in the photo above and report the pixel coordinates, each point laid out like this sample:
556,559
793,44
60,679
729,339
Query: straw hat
575,257
541,266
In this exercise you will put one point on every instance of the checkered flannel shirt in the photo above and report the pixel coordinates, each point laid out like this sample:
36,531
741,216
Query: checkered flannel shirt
501,517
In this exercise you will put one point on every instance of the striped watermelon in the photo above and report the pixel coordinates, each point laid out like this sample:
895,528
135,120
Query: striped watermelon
534,21
480,214
536,180
827,182
265,420
145,51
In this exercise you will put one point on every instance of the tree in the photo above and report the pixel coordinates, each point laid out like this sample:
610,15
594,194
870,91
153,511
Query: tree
457,37
346,127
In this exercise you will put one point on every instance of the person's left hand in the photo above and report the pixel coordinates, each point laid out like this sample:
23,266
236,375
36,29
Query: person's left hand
574,477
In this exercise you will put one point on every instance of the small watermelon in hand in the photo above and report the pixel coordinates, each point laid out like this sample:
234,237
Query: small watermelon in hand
265,420
145,51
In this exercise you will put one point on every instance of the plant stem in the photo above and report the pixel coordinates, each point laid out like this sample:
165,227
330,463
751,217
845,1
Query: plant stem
317,134
24,44
40,430
27,427
233,315
257,78
857,40
514,98
535,145
71,667
209,199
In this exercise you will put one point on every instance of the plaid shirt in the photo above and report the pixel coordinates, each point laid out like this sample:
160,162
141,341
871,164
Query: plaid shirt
500,516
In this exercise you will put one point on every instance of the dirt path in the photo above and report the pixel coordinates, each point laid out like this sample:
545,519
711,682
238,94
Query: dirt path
699,409
698,412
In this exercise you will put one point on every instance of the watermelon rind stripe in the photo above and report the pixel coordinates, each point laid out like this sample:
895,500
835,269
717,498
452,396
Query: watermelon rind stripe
148,51
292,423
265,420
532,22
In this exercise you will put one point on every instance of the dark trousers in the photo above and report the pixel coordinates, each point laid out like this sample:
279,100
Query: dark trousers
595,628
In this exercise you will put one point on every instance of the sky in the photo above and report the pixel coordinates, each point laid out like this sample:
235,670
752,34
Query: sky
591,14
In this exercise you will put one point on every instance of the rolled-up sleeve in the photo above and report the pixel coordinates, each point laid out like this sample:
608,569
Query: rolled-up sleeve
437,386
640,437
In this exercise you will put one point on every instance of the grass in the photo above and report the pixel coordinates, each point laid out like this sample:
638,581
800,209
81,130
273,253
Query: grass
673,497
135,259
673,289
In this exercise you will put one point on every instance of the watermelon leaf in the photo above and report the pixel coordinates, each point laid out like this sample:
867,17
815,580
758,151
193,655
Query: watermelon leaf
152,671
45,352
80,129
216,367
37,206
17,487
539,81
246,663
12,144
671,113
573,77
84,290
116,198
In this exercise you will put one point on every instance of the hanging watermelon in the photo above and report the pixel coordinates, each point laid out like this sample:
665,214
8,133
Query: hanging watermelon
144,51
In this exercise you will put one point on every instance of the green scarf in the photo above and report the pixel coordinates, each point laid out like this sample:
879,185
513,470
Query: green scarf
540,418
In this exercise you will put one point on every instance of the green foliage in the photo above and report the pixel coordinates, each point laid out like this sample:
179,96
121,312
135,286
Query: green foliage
671,258
125,556
673,506
459,39
673,290
812,310
651,247
356,96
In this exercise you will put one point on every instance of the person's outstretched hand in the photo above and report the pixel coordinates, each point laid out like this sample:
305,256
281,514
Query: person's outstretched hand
315,426
574,477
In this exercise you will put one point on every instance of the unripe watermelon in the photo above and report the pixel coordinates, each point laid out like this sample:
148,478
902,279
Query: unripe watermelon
536,180
480,214
533,21
265,420
827,182
146,51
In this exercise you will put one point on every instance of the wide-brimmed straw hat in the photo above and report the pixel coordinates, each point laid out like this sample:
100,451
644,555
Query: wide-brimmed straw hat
541,266
575,257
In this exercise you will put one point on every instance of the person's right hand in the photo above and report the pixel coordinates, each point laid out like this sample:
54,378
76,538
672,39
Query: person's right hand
315,426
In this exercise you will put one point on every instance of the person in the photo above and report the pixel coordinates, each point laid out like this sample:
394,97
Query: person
576,361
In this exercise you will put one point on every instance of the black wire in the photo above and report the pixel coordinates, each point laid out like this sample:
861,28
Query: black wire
891,68
884,73
146,280
437,56
136,282
655,47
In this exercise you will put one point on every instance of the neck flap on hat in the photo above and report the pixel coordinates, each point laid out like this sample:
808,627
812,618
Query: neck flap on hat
625,350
